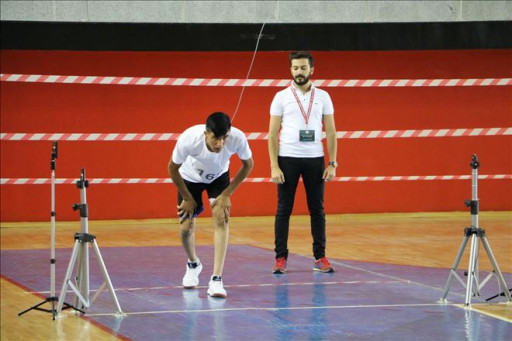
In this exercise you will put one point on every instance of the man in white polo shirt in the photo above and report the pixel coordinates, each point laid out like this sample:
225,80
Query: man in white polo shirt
297,115
200,162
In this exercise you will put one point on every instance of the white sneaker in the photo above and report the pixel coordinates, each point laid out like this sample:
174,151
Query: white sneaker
216,288
191,278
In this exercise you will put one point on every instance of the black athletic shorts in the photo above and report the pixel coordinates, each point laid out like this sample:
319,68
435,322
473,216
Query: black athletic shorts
213,189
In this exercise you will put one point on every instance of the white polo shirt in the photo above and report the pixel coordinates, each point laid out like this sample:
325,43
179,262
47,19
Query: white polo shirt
292,121
200,165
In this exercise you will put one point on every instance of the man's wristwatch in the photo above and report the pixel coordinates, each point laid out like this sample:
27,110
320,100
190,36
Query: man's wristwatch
333,163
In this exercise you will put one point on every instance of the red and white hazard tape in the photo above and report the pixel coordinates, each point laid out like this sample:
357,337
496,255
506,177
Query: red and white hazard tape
117,181
361,134
88,137
166,81
423,133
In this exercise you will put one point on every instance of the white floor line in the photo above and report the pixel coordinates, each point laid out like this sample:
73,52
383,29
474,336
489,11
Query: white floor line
276,309
244,285
353,267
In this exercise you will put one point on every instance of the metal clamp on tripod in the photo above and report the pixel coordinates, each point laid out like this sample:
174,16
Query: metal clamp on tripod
473,285
80,255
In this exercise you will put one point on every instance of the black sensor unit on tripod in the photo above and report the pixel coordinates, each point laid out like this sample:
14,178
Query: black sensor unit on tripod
474,162
54,150
82,183
54,155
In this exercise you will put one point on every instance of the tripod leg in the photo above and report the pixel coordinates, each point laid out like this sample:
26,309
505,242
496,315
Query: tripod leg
106,277
82,275
473,258
68,276
78,274
34,307
497,272
477,287
454,268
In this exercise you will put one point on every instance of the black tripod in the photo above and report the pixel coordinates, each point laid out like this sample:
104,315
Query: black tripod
80,255
477,234
52,298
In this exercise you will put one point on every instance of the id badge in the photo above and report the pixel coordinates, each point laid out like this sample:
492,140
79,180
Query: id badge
306,135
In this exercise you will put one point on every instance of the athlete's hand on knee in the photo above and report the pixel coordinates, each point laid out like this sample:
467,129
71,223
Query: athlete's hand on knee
223,203
277,175
186,210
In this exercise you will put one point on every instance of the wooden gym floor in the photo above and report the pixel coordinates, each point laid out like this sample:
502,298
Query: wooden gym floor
377,246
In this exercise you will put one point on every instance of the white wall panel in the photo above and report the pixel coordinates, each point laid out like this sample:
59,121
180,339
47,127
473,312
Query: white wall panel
282,11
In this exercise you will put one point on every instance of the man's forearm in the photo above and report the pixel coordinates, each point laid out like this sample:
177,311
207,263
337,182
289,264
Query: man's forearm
273,141
176,178
330,132
332,147
273,147
240,176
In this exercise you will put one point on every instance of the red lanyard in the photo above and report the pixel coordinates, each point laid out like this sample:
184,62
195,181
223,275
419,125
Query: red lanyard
311,99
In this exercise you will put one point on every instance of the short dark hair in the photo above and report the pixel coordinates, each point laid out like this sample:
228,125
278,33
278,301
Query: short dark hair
218,123
302,55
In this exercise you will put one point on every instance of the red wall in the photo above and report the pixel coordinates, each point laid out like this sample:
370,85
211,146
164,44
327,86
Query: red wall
79,108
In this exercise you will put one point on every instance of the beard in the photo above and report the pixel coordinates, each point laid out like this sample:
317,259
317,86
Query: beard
301,80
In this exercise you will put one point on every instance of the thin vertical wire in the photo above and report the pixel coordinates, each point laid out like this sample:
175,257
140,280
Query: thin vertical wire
248,73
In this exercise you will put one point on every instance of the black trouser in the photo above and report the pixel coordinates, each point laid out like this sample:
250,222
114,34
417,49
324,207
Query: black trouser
311,170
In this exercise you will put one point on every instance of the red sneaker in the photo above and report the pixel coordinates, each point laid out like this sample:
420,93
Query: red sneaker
280,267
323,265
